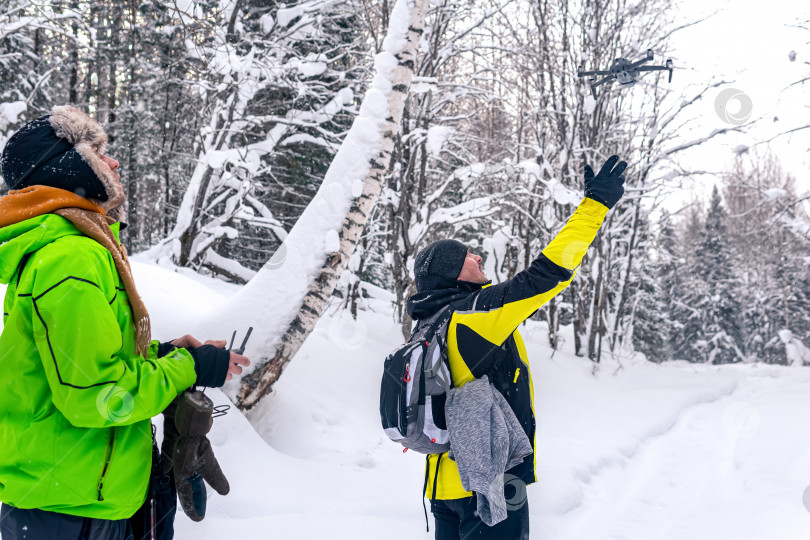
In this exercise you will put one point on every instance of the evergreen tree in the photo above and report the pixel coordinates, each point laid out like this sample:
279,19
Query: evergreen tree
649,320
278,86
709,307
653,326
766,229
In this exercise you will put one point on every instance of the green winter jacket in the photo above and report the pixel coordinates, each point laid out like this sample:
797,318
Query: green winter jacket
75,400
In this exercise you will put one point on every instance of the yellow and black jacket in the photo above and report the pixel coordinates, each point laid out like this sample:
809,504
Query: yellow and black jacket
482,337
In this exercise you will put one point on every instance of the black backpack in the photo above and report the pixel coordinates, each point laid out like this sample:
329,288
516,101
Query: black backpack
415,381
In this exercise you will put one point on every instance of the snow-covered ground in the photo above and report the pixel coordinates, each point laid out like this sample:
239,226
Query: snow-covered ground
642,451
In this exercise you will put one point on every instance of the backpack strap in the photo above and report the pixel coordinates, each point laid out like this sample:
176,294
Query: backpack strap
435,484
435,320
436,477
424,490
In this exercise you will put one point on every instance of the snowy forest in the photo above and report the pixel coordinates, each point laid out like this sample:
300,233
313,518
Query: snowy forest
285,162
227,115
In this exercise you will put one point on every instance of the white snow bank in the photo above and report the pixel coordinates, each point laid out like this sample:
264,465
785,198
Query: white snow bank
667,452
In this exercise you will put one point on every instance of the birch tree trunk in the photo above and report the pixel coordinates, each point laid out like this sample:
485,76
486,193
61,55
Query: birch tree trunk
365,154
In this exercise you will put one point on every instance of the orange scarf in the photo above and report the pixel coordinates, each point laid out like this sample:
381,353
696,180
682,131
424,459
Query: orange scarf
36,201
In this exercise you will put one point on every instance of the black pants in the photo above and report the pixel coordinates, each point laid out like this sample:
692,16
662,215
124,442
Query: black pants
457,519
19,524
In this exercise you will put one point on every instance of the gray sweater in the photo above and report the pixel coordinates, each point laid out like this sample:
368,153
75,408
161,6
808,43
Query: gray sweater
486,440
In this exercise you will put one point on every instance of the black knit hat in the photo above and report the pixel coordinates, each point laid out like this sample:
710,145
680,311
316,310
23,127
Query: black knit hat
59,150
444,258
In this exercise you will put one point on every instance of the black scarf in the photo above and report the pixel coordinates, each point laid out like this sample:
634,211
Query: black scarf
437,292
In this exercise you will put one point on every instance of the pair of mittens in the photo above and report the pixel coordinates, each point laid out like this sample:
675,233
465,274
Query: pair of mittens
187,450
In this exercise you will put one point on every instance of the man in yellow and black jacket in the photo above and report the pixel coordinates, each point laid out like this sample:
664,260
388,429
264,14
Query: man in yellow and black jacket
483,339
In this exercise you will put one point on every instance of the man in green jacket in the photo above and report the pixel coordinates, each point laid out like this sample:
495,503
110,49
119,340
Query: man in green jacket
80,376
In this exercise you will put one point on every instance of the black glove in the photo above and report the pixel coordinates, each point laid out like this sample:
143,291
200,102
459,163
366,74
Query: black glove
193,458
606,187
211,365
165,348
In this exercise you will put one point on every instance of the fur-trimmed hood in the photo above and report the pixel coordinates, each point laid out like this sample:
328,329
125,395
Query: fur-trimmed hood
79,129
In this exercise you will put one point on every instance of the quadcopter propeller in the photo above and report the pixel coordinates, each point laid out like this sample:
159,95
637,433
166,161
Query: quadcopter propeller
600,82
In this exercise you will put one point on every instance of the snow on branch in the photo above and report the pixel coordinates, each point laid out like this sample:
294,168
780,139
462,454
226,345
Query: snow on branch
238,141
702,140
285,300
228,267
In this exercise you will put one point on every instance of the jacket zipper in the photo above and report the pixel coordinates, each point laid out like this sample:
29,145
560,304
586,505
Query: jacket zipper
517,374
106,463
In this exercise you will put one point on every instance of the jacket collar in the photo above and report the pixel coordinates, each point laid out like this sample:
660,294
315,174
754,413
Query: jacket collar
439,292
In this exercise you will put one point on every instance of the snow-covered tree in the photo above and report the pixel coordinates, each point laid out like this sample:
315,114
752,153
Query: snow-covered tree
710,306
435,190
277,87
649,324
801,59
670,269
769,227
286,300
36,42
123,62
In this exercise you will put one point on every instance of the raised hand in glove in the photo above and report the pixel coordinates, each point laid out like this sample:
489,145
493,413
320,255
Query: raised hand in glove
192,456
607,186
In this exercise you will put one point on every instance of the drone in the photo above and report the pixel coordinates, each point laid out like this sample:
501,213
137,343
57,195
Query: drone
624,71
